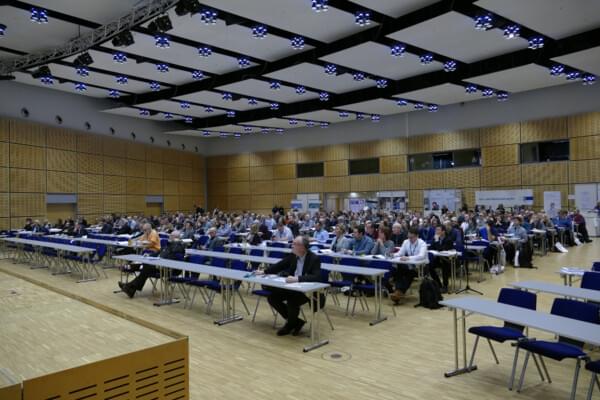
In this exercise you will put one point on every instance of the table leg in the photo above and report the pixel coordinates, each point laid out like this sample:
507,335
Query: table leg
378,300
315,341
463,326
227,315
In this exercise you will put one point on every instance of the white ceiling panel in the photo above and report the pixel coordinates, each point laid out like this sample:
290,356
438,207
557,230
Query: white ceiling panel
261,89
276,123
294,16
98,79
216,99
321,116
555,18
377,106
447,93
131,68
375,58
24,35
586,60
237,38
134,112
453,35
314,76
182,55
65,87
97,11
175,108
520,79
395,8
235,128
189,132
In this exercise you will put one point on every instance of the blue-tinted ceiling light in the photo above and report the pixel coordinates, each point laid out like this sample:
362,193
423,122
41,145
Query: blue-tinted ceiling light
80,87
205,133
279,130
401,102
358,76
536,43
188,119
47,80
419,106
208,16
330,69
39,16
293,121
120,58
162,41
121,79
208,109
252,101
247,129
227,96
167,116
154,86
471,89
144,112
82,71
557,70
113,93
502,95
588,79
362,18
426,59
487,92
204,51
265,130
197,75
243,62
274,106
324,96
163,68
324,124
573,75
484,22
375,117
398,50
512,31
381,83
343,114
185,105
297,43
237,135
274,85
310,124
360,116
259,31
230,114
2,30
300,89
433,108
450,66
319,5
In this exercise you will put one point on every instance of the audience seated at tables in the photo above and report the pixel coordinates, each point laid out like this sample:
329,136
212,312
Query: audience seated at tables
383,246
399,234
362,244
579,220
519,233
254,237
340,242
441,242
321,235
413,249
282,233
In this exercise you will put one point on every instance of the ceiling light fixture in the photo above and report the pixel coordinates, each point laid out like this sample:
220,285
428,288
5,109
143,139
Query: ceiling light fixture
162,41
471,89
123,39
113,93
557,70
362,18
197,75
381,83
375,117
330,69
252,101
187,7
188,120
230,114
208,109
536,43
419,106
167,116
512,31
163,68
573,75
324,125
319,5
433,108
144,112
243,62
84,59
160,25
426,59
2,30
293,121
398,50
487,92
310,124
274,85
502,95
484,22
39,15
185,105
274,106
360,116
227,96
259,31
300,90
297,43
588,79
154,86
401,102
204,51
80,87
119,58
208,16
121,79
82,71
343,114
323,96
358,76
450,66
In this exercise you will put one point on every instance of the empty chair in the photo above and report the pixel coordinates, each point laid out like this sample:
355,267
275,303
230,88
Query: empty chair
508,331
564,348
594,368
590,280
277,254
236,250
596,266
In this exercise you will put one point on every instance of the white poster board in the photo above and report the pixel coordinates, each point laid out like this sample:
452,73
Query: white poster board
392,200
297,205
357,205
508,198
586,196
552,203
435,200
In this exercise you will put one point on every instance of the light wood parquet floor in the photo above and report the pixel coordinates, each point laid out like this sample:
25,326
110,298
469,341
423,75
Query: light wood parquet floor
404,357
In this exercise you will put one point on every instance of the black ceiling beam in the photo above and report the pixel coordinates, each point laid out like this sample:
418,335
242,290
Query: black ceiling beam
311,55
494,64
56,15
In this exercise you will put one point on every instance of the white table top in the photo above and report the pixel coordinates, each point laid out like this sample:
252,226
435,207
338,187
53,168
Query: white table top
562,326
560,290
56,246
258,247
574,271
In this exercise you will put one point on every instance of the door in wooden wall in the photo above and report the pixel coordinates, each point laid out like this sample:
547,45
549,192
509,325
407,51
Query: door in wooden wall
154,208
60,211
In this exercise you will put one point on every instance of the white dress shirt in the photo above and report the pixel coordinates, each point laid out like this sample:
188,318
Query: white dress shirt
414,251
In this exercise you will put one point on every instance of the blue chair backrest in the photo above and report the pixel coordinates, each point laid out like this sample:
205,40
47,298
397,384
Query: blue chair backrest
277,254
278,244
202,240
220,249
596,266
326,259
590,280
196,259
218,262
257,252
235,250
164,243
239,265
518,298
586,312
324,275
351,261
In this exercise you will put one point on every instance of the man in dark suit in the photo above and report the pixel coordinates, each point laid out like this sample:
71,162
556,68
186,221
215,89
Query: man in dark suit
441,242
300,266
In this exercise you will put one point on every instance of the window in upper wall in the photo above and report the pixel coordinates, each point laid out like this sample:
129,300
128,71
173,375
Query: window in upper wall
363,166
309,170
418,162
554,150
467,158
450,159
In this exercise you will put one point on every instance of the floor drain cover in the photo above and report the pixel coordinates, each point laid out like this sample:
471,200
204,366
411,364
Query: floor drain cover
336,356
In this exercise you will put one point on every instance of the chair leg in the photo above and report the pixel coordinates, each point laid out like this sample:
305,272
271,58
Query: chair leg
511,380
575,377
256,309
523,372
537,366
348,303
275,315
493,351
593,381
243,302
473,352
328,319
545,369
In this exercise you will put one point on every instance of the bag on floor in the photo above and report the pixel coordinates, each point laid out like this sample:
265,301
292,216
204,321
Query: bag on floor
525,256
429,294
560,248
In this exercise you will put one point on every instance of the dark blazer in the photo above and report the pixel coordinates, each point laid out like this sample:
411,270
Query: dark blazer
80,232
214,243
311,272
442,245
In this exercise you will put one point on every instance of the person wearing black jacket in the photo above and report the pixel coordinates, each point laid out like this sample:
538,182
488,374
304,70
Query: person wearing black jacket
301,265
441,242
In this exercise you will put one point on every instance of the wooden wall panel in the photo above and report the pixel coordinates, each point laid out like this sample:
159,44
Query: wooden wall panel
462,177
238,174
90,183
286,171
284,157
218,188
415,199
135,151
363,183
396,181
114,147
27,204
548,173
61,182
261,202
336,168
217,175
261,173
114,204
186,203
90,164
260,159
171,203
135,204
115,166
500,155
392,164
263,187
543,130
115,184
4,154
220,202
27,180
4,130
90,204
61,160
30,157
4,205
310,154
170,172
154,170
310,185
462,139
336,152
285,186
336,184
501,134
4,175
154,154
468,196
60,138
283,199
585,148
538,194
426,180
27,133
501,176
584,171
584,124
425,143
154,186
238,188
185,174
185,188
136,185
170,187
238,160
91,144
239,203
137,168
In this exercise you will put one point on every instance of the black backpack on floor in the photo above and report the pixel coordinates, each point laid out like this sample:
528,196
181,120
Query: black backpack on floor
429,294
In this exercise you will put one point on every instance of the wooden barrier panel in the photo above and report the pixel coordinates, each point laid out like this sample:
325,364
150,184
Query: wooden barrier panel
160,372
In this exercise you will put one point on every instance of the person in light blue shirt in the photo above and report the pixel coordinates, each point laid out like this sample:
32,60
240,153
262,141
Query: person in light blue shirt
362,244
321,235
270,222
224,229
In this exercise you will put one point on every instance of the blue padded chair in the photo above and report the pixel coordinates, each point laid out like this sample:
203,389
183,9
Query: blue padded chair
277,254
236,250
564,348
509,331
364,288
278,244
214,286
596,266
594,368
590,280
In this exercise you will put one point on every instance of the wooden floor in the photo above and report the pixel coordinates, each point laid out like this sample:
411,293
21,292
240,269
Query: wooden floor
404,357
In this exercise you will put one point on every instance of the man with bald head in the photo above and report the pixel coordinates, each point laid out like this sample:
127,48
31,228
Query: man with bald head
301,265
